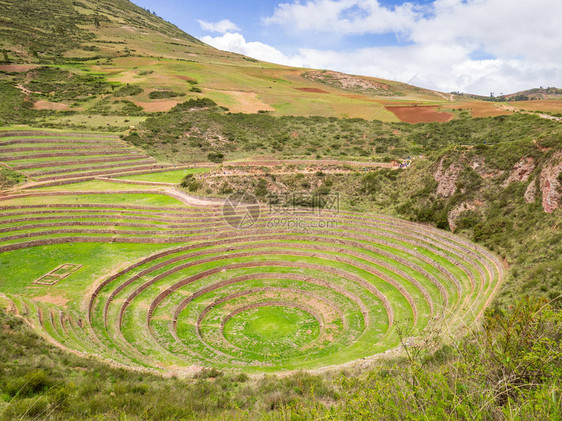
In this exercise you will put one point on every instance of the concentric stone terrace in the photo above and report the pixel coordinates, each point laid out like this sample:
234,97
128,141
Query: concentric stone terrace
50,158
304,292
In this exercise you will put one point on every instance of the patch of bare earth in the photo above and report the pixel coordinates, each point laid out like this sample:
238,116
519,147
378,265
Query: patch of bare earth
482,109
246,102
315,90
420,114
17,67
58,300
181,77
550,105
156,106
48,105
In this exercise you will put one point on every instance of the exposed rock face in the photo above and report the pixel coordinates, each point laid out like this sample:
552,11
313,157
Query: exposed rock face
447,179
455,213
478,164
521,171
550,186
349,82
531,192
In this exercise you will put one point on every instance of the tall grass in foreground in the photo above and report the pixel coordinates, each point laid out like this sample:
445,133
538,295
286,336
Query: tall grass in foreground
509,369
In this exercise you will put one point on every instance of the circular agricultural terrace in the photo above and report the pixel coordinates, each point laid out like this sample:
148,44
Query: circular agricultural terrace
314,291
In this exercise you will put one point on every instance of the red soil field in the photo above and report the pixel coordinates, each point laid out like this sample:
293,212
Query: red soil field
420,114
315,90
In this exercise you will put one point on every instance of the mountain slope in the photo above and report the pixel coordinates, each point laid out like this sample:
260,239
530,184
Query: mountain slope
126,44
38,30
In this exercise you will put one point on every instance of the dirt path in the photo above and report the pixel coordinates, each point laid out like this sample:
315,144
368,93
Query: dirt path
243,174
192,200
276,162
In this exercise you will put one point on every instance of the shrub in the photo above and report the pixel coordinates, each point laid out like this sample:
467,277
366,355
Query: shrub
194,104
128,90
164,94
216,157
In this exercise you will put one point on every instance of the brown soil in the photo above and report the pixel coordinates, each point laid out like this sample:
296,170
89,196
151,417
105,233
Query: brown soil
157,106
48,105
186,78
58,300
17,67
550,105
482,109
315,90
420,114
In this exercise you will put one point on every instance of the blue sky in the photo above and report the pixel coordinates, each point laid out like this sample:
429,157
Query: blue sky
477,46
248,15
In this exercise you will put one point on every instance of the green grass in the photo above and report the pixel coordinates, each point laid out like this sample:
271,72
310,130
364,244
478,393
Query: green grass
96,185
175,176
118,199
97,260
273,324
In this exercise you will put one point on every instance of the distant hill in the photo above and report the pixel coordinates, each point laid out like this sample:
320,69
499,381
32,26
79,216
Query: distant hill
541,93
536,93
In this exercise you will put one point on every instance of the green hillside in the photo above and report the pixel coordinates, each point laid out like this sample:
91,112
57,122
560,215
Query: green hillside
158,66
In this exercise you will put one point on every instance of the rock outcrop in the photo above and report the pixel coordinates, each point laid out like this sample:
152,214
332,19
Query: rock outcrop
550,184
447,179
454,215
521,171
531,192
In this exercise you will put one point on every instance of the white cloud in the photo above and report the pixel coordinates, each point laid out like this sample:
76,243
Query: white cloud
519,41
521,37
236,43
344,16
222,26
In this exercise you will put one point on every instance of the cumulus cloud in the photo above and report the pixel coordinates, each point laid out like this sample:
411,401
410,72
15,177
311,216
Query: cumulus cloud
474,46
345,16
236,43
222,26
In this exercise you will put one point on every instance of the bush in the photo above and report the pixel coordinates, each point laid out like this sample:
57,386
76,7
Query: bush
190,182
32,383
128,90
216,157
195,104
164,94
